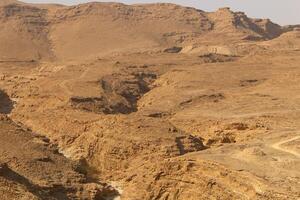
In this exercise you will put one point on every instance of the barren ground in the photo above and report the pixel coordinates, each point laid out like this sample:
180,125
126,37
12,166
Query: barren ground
169,113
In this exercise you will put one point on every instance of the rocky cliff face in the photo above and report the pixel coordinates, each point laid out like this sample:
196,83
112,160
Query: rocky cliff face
33,32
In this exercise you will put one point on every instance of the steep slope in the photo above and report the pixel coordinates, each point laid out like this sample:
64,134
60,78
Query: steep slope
288,40
23,33
237,25
32,168
34,32
102,28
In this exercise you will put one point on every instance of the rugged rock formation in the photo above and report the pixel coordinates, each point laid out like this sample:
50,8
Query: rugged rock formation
154,101
38,32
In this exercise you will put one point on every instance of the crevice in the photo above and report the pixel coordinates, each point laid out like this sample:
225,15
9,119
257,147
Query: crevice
121,92
6,104
218,58
251,82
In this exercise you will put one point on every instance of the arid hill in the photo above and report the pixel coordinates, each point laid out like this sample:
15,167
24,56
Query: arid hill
35,32
106,101
4,2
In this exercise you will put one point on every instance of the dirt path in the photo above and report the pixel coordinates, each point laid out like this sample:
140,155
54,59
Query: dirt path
64,83
277,146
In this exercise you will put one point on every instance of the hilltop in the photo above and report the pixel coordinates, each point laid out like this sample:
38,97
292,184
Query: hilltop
53,32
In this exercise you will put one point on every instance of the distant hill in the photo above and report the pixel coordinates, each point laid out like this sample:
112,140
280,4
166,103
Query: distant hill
47,32
3,2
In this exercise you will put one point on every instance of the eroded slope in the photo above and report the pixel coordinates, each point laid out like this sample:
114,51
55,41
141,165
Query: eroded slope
48,32
32,168
197,106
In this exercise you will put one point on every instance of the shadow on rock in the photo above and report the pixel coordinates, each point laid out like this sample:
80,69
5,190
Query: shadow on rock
6,104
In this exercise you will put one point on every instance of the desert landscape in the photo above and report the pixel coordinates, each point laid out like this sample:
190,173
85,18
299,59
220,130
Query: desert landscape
108,101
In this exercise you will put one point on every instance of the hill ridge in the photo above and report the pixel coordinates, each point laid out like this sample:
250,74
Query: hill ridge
50,32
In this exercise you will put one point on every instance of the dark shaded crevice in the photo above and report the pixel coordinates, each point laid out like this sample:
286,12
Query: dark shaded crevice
218,58
206,98
185,142
173,50
251,82
6,104
121,92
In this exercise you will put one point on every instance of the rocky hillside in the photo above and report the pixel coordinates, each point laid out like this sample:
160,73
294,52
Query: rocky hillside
154,102
32,168
33,32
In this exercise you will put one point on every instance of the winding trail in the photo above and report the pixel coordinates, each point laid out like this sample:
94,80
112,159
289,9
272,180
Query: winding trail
64,86
277,146
64,83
